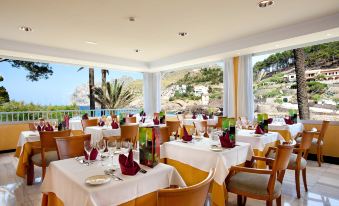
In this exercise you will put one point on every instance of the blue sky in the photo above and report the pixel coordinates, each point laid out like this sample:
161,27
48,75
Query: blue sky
56,90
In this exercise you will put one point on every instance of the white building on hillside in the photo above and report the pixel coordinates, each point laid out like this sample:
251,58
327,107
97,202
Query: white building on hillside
200,90
181,88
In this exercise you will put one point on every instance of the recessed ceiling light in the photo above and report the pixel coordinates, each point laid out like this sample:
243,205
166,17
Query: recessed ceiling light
328,34
265,3
131,18
90,42
182,33
25,28
277,45
137,50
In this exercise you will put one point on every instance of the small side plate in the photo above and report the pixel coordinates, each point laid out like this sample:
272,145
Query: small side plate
98,179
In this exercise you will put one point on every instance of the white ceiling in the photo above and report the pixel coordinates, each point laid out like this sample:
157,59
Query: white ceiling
216,29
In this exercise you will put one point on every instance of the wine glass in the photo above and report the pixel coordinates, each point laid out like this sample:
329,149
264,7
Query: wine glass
54,124
125,146
88,149
101,146
36,124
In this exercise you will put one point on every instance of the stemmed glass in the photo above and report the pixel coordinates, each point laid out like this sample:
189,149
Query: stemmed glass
88,149
112,148
36,124
101,146
209,132
202,132
125,146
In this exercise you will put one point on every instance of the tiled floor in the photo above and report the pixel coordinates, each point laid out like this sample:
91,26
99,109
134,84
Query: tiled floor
323,184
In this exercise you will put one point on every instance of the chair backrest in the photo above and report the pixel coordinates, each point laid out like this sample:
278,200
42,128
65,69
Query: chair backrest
89,123
188,196
69,147
219,123
31,127
323,130
47,139
156,114
164,135
173,126
201,125
306,140
130,133
114,117
131,119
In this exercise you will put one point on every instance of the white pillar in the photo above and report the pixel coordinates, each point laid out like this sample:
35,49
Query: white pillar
245,88
152,92
228,79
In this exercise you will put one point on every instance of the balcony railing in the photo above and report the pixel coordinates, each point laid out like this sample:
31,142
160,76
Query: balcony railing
29,116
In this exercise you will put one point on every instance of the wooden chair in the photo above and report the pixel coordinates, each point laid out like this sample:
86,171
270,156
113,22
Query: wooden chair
164,134
297,159
131,119
48,151
219,123
129,133
261,184
188,196
173,126
69,147
89,123
201,125
31,127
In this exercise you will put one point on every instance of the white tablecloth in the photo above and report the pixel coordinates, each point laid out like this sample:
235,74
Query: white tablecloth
293,128
97,133
257,141
66,179
199,155
209,121
75,124
28,136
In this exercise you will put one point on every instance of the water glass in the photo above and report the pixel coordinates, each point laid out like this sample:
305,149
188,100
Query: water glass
88,149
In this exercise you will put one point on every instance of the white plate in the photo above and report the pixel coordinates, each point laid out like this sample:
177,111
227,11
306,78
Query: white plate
98,179
257,135
215,148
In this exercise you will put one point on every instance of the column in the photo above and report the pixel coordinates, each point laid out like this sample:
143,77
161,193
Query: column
152,92
228,80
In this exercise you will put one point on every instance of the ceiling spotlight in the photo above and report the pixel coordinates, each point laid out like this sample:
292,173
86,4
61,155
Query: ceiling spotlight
182,33
265,3
137,50
90,42
25,28
328,34
131,18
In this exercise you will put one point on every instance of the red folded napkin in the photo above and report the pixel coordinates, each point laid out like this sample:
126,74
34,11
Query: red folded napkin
115,125
225,140
93,155
85,116
186,136
101,123
127,165
66,120
258,130
143,120
130,115
204,116
156,121
49,128
41,128
270,120
288,121
194,117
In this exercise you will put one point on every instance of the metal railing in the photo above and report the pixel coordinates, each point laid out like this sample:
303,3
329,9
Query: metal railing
29,116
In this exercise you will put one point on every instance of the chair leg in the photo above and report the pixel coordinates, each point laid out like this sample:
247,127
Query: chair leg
304,179
30,172
43,173
297,182
319,156
244,202
239,200
269,203
278,200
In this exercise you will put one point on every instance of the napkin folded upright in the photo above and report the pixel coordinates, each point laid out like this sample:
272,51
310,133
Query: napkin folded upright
66,120
205,117
270,120
194,116
258,130
156,121
186,136
143,120
41,128
288,121
101,123
93,155
115,125
85,117
127,165
49,128
130,115
225,140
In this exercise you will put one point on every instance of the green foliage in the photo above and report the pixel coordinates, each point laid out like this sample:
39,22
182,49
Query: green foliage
210,76
278,100
22,107
316,97
316,87
272,93
4,97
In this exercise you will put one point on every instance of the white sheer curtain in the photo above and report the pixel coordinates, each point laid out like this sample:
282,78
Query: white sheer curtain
228,103
152,92
245,101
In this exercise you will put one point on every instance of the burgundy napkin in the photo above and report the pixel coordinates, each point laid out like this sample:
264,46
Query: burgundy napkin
101,123
115,125
258,130
270,120
156,121
225,140
194,117
49,128
143,120
85,116
288,121
130,115
186,136
66,120
204,116
93,155
41,128
127,165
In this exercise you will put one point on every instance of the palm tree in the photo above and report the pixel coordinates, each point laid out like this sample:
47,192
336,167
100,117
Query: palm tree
104,73
90,86
115,97
302,98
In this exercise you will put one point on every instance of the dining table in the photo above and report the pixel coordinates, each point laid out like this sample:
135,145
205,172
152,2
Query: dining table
65,184
210,122
194,159
98,132
287,131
